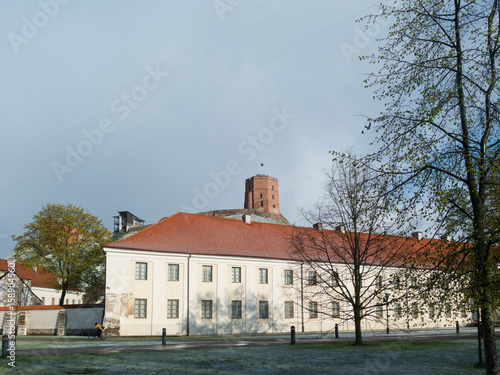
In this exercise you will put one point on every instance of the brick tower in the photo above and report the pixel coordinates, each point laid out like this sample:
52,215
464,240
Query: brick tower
262,191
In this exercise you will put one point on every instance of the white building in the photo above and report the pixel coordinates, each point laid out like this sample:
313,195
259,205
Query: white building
201,275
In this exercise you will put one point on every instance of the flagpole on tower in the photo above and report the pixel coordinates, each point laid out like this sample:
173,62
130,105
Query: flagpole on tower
261,165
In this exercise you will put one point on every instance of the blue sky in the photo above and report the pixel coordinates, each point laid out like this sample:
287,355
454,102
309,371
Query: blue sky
160,106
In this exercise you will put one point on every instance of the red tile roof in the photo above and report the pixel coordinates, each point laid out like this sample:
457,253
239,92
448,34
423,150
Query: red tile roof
197,234
42,278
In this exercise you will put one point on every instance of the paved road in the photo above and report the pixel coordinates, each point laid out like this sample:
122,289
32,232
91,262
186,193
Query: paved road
236,342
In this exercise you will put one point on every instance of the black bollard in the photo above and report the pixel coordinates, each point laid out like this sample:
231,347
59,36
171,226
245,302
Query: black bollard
458,328
164,337
5,345
336,331
292,334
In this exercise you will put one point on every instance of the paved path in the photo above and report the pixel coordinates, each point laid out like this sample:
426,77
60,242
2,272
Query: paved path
247,341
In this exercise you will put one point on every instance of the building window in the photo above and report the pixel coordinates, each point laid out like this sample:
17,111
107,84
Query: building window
206,274
397,282
379,311
261,195
335,310
141,271
235,309
273,196
53,301
414,310
313,310
263,276
67,301
288,310
72,301
463,313
140,308
43,300
172,309
378,282
272,187
432,311
263,310
262,203
288,277
236,274
335,280
312,278
447,310
398,312
173,272
413,282
206,309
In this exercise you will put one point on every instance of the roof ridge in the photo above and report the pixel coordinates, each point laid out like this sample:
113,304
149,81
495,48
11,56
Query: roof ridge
234,220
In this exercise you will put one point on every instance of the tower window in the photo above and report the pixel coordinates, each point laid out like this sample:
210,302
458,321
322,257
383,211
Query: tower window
272,187
273,196
261,195
262,203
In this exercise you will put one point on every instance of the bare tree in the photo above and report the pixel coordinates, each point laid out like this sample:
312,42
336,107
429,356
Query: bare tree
351,251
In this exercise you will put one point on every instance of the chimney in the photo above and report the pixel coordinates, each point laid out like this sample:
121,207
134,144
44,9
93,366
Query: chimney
417,235
340,228
318,226
247,218
446,237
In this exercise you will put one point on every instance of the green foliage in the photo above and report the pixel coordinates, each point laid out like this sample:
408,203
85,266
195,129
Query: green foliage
439,134
95,283
67,241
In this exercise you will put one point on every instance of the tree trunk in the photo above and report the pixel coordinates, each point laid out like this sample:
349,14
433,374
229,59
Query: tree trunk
63,295
490,348
357,326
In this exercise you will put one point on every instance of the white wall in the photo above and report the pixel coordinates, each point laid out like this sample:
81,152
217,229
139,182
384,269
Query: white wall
73,298
122,289
42,320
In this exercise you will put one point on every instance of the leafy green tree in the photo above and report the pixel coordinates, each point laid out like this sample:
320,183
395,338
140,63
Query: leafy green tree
94,281
440,127
67,241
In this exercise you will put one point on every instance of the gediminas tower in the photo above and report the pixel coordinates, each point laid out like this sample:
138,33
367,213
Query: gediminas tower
262,191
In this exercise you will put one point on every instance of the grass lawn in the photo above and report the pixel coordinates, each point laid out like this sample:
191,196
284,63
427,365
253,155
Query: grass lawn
388,357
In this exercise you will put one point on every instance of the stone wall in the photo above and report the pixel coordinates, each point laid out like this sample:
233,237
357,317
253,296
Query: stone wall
54,319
